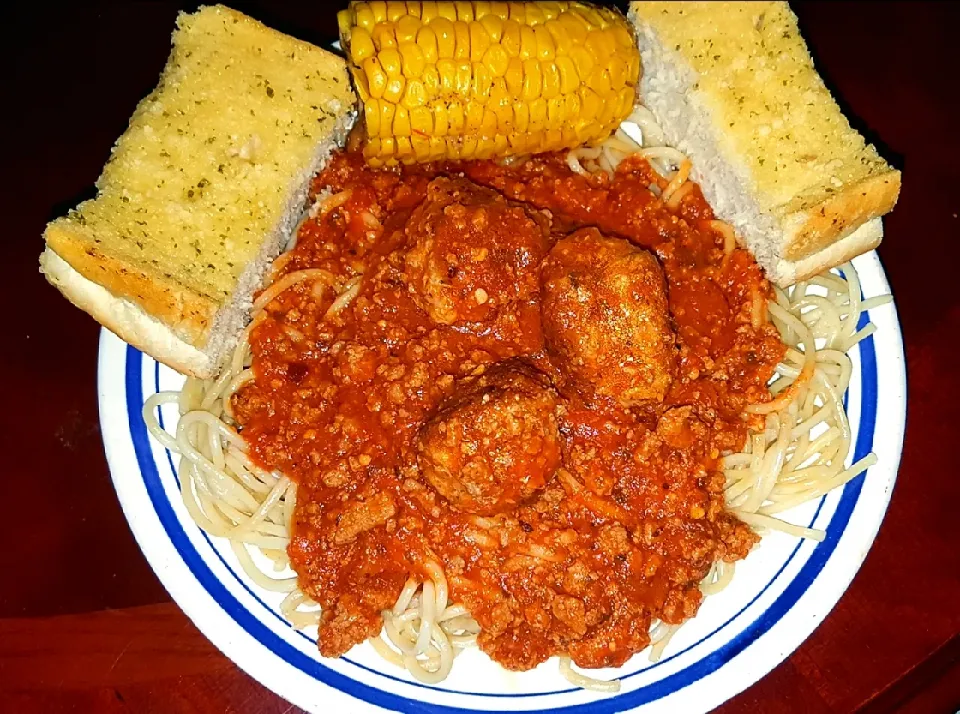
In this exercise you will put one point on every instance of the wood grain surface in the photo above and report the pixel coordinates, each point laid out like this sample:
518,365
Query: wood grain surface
84,624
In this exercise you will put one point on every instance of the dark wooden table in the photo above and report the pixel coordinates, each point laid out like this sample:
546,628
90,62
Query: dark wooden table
84,623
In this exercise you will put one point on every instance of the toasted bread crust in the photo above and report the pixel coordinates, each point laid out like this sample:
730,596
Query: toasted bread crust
125,319
188,315
817,228
842,250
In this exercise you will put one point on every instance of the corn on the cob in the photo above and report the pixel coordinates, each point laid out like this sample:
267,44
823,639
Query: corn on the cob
468,80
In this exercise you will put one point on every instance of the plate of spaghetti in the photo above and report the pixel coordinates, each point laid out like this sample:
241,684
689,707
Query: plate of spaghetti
525,431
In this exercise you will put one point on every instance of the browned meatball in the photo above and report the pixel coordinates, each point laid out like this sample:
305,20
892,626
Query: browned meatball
605,318
495,442
472,253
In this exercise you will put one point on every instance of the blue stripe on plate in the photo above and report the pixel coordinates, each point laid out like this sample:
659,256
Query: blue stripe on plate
672,683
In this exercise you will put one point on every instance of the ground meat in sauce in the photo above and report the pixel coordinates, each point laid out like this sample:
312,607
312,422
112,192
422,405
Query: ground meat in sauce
495,443
622,516
605,318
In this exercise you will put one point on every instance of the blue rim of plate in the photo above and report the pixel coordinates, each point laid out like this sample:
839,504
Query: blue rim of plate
200,570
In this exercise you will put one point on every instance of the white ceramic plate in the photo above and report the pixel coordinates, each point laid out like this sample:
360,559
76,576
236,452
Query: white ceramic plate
780,593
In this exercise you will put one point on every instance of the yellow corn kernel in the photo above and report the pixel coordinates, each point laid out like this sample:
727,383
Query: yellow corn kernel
546,50
455,118
551,79
446,39
633,71
618,71
391,62
623,37
568,135
464,11
407,29
532,80
461,33
575,26
421,147
558,31
468,147
496,60
412,62
482,80
552,139
428,11
395,10
538,115
500,9
448,75
401,121
535,15
394,89
510,39
454,147
608,109
439,112
589,103
521,117
479,41
379,10
599,81
556,111
569,79
361,45
421,121
518,143
447,11
517,11
364,17
498,93
484,147
493,25
528,43
499,144
438,148
514,76
371,116
404,148
473,117
388,147
387,110
371,148
383,36
464,77
480,10
591,17
488,124
431,81
427,42
597,44
628,97
344,22
360,82
376,77
584,130
583,61
415,95
572,109
504,112
551,9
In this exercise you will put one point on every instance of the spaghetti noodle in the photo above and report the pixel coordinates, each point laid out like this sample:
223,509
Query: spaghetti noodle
799,455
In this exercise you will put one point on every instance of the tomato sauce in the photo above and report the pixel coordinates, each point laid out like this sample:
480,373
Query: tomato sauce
632,520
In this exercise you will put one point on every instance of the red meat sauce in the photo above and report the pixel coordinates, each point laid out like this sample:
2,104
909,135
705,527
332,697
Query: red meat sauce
468,407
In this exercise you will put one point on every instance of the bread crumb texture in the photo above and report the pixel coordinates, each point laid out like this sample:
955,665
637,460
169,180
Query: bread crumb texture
755,75
204,170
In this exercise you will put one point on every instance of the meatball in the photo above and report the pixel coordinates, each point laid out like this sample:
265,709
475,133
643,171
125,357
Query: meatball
472,253
605,318
495,442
